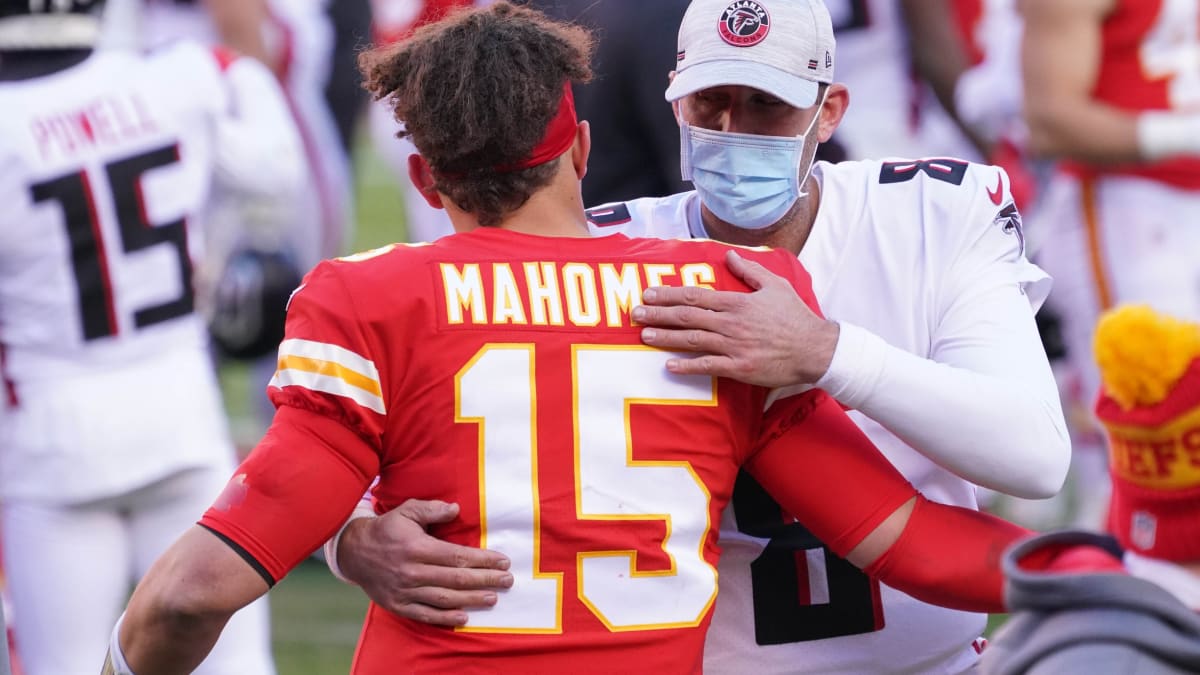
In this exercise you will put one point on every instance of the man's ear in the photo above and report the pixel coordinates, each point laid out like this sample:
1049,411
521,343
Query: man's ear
675,103
421,176
581,149
832,111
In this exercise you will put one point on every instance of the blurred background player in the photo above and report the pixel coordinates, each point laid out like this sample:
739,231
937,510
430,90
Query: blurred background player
295,38
988,94
1088,604
901,58
934,78
1112,90
988,97
112,428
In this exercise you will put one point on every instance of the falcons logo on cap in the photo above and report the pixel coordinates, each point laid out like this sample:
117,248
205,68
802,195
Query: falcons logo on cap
741,19
744,23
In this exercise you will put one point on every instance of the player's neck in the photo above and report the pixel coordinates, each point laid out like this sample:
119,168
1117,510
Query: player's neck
790,233
28,64
553,211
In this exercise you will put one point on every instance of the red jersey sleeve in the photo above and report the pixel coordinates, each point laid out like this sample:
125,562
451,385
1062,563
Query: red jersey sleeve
326,362
821,468
824,470
949,556
324,446
293,492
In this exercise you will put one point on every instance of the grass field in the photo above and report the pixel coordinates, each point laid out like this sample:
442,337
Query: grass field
315,621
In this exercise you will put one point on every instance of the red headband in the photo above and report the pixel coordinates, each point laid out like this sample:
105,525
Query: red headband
560,133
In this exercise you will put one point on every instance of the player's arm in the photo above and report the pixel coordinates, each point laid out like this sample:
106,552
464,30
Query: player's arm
939,56
1061,55
258,146
984,404
820,467
169,627
291,494
240,25
293,491
411,573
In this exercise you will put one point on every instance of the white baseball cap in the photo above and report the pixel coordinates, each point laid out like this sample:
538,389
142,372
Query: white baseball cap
783,47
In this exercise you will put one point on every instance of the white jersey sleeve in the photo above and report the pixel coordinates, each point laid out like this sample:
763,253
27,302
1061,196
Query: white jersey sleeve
258,145
985,366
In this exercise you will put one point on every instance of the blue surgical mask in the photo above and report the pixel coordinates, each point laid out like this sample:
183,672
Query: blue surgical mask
746,180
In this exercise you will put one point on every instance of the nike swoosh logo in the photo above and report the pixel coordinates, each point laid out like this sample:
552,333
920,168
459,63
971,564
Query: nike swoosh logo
997,194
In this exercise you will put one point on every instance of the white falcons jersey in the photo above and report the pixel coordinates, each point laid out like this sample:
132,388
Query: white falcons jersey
104,168
893,245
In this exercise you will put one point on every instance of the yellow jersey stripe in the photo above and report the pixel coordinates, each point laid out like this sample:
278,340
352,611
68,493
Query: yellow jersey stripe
328,368
331,369
324,351
329,385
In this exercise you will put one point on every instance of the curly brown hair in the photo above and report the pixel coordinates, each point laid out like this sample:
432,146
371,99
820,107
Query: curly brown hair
476,91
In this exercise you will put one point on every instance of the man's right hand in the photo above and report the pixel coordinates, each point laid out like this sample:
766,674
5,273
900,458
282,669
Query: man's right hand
769,337
417,576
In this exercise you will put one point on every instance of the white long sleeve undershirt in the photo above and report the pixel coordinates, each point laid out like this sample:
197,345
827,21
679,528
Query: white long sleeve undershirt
984,406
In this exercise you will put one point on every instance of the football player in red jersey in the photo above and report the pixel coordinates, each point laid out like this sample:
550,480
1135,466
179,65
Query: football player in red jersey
500,369
1112,90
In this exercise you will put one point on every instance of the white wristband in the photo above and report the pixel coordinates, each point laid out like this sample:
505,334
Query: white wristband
1163,134
856,366
363,510
114,663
